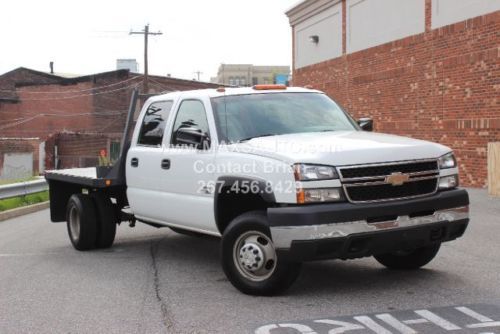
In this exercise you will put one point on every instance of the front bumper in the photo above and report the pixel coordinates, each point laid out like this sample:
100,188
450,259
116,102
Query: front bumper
345,230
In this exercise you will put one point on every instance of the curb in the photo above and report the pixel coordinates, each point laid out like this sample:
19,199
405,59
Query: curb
24,210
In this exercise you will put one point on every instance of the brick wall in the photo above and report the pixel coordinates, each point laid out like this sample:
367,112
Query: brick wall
76,149
95,104
442,85
44,109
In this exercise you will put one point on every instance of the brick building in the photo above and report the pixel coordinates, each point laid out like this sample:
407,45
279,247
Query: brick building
428,69
75,116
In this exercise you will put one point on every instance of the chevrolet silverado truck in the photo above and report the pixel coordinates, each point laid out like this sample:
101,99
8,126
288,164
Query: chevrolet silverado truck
281,175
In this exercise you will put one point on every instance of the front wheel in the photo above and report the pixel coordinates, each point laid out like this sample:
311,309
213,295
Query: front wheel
249,258
413,259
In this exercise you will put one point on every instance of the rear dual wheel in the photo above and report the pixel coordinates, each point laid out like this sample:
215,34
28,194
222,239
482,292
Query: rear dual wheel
91,221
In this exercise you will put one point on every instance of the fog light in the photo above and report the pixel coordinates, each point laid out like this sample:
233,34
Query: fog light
448,182
319,195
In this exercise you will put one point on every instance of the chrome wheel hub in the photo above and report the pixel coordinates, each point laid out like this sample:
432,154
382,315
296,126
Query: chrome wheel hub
254,256
251,256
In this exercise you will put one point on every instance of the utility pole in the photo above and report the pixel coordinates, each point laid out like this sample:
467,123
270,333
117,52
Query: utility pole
198,74
146,33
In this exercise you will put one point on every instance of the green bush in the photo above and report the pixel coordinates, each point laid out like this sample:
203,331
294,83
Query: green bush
16,202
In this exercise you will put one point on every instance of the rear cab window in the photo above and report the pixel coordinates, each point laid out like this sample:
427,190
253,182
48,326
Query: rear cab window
154,123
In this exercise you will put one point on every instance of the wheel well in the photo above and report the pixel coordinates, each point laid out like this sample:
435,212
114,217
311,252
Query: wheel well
230,205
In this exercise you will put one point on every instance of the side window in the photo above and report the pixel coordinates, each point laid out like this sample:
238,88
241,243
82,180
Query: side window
191,115
153,124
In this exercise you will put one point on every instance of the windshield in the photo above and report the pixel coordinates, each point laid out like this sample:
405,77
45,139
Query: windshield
243,117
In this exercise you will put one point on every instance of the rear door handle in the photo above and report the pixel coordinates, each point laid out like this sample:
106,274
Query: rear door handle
165,164
134,162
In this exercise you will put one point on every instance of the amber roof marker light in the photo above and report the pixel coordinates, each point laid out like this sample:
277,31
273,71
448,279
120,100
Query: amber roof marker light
269,87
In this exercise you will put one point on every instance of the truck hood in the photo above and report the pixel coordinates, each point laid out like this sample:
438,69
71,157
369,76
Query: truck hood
340,148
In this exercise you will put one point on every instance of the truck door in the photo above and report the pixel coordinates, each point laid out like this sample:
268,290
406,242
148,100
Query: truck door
185,175
143,166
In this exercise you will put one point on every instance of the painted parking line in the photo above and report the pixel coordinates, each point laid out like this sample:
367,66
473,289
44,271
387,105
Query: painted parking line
476,319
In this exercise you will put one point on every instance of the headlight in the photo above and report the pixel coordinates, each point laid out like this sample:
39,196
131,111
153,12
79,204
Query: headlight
304,172
319,195
447,161
448,182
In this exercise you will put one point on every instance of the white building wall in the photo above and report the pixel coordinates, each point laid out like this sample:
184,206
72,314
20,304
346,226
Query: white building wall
375,22
446,12
327,25
17,166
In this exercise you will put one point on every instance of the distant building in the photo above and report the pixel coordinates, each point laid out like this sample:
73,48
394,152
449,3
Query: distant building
249,75
127,64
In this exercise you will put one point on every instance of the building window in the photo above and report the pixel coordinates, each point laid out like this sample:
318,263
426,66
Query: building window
237,81
243,81
231,81
266,80
255,81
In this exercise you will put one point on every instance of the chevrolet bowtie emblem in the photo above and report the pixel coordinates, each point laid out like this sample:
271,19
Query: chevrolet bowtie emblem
397,179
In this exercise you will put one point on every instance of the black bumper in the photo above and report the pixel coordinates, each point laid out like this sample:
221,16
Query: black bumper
344,212
373,243
369,243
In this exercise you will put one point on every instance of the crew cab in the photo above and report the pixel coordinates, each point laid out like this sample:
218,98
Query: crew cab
282,175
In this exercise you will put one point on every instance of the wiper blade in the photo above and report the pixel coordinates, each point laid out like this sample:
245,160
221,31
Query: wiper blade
259,136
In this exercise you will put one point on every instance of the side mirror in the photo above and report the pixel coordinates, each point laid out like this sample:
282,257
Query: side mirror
193,137
366,124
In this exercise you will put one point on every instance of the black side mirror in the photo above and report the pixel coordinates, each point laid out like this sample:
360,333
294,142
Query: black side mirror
192,137
366,124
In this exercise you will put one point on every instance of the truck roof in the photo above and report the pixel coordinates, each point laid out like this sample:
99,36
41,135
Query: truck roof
229,91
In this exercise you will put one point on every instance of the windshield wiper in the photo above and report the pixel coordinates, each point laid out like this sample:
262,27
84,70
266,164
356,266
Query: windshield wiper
259,136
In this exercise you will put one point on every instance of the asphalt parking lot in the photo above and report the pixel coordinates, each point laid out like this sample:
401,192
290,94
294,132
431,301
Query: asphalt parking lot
156,281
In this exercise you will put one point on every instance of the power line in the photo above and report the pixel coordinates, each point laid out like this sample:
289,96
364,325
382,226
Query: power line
82,95
165,87
72,91
146,34
29,119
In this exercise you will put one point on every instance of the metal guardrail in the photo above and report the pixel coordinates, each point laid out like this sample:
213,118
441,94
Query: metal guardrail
23,188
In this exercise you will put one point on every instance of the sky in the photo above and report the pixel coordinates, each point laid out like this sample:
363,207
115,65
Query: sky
84,37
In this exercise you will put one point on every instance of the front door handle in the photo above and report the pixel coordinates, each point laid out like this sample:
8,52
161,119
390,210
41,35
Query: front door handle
165,164
134,162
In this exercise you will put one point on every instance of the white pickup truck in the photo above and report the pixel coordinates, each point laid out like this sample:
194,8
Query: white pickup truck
282,175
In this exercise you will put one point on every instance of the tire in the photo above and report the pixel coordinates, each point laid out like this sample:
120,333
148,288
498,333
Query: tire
107,220
81,221
404,260
248,238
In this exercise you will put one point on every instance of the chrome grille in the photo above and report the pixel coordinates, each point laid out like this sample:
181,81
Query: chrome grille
386,169
368,183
